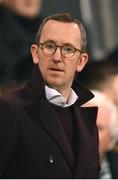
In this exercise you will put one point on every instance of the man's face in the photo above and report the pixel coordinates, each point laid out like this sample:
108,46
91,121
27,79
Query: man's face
57,70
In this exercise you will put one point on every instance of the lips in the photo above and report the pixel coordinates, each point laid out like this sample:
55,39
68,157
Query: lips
57,69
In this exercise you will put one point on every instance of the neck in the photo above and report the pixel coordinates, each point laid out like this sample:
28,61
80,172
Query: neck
65,92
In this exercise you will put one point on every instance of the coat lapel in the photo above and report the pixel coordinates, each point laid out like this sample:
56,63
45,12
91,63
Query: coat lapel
50,122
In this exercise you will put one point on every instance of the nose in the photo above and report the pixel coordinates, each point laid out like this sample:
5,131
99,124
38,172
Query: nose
57,55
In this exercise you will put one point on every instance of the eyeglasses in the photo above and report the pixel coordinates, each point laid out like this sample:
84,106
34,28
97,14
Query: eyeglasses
49,48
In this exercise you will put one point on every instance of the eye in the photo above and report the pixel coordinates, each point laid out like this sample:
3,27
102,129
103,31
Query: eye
49,46
68,49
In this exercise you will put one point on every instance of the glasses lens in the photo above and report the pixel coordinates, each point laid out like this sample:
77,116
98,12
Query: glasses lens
49,48
68,51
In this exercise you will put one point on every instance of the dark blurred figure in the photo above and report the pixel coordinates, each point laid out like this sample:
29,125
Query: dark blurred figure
102,76
113,56
19,21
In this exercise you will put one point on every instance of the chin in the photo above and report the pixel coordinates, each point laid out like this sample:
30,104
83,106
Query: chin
54,82
54,85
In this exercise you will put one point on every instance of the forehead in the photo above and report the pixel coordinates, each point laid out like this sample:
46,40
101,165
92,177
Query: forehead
61,31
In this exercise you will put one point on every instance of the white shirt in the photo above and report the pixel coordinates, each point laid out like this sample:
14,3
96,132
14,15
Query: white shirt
57,98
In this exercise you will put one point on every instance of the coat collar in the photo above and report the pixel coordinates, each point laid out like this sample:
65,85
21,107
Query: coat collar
38,85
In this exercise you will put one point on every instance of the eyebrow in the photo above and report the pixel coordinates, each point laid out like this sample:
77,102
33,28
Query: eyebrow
63,44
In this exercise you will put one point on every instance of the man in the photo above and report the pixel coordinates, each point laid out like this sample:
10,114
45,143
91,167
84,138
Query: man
104,78
19,21
44,131
107,123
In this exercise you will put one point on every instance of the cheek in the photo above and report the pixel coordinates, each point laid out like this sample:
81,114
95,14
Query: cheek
43,68
71,67
43,65
70,73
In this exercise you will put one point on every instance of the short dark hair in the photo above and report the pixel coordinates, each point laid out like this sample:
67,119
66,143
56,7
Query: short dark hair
64,17
98,74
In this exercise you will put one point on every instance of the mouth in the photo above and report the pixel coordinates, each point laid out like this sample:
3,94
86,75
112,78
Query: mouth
56,69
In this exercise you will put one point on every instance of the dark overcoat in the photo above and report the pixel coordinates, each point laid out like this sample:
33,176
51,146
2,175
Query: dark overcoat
32,140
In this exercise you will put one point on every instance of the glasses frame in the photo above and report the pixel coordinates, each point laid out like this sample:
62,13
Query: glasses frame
40,45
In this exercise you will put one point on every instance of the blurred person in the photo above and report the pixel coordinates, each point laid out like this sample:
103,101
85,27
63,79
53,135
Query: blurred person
25,8
112,56
102,76
44,131
19,21
107,123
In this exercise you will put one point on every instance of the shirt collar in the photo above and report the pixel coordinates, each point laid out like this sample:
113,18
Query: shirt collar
57,98
37,84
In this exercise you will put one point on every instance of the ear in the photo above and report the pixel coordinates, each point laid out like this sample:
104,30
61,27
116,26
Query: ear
34,52
83,59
